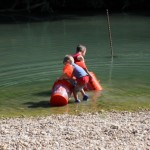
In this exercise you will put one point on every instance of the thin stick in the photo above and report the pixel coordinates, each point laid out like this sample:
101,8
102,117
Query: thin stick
110,37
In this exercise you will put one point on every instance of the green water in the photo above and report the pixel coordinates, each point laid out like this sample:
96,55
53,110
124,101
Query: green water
31,59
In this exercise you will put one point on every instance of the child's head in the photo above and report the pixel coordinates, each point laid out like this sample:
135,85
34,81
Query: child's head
68,59
82,49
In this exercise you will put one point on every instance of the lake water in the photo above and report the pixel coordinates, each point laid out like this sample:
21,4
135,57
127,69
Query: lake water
31,57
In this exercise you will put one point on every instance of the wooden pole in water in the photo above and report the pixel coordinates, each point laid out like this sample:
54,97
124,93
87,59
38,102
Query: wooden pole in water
110,35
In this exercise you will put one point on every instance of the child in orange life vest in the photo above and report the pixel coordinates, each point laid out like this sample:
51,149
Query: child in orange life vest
72,71
79,58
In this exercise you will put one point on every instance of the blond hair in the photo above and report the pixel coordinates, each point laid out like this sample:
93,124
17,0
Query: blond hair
68,58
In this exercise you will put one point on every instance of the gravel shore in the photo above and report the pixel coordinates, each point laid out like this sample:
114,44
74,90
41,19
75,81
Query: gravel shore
96,131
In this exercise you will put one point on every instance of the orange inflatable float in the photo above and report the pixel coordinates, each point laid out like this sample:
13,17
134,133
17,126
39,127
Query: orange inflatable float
93,84
61,91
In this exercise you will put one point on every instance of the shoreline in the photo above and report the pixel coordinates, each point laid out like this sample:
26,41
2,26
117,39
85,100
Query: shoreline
104,131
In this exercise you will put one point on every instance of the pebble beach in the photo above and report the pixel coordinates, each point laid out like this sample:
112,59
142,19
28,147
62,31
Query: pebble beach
87,131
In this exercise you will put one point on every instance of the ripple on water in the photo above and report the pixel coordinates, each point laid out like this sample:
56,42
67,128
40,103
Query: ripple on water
25,73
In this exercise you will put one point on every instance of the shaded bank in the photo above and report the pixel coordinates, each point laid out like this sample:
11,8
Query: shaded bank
53,6
25,17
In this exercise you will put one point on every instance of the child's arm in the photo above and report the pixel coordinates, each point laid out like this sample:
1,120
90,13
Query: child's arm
87,71
83,65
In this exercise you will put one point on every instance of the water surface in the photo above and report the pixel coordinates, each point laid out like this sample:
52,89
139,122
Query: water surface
31,59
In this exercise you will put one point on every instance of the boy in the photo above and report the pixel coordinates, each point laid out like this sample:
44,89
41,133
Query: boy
72,71
79,58
80,53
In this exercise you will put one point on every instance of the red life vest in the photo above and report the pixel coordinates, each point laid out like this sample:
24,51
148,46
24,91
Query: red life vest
75,56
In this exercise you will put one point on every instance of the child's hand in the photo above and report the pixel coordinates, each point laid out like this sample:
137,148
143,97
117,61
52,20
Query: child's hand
74,78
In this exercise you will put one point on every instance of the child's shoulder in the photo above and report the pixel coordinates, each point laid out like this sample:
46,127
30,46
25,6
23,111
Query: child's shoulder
80,58
68,65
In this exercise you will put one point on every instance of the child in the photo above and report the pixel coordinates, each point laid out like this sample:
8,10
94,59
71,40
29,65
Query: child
80,53
79,58
72,71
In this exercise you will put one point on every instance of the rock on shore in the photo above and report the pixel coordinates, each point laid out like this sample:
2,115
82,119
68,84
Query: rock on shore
97,131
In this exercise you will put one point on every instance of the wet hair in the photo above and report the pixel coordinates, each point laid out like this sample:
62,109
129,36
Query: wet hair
80,48
68,57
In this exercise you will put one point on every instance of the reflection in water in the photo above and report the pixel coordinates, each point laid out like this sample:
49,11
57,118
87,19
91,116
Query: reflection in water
66,110
111,68
91,104
94,98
